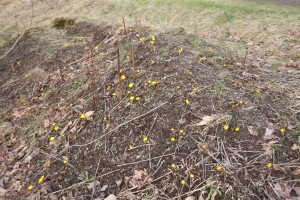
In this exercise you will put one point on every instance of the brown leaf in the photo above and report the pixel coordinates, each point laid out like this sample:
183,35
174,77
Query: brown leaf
206,120
92,184
279,168
46,123
29,157
268,134
297,190
111,197
283,190
252,130
104,188
296,171
190,198
2,191
268,148
89,114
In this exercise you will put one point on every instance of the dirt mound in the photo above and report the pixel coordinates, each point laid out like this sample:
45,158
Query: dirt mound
140,114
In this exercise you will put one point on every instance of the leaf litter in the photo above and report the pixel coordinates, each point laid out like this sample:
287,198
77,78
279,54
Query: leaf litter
102,141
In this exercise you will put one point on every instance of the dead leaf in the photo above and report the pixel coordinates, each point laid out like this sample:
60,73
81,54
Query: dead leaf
104,188
89,114
46,123
139,178
190,198
206,120
91,185
47,164
268,148
29,157
2,192
295,147
268,134
252,130
119,182
279,168
182,121
111,197
283,190
296,171
297,190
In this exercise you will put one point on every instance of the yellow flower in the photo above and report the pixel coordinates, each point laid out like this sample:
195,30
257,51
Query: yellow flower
154,83
152,42
108,88
30,187
257,91
173,166
131,98
182,182
204,146
52,138
53,124
178,87
149,81
270,165
210,49
114,94
128,92
66,160
104,118
66,45
192,175
84,43
187,102
101,54
130,85
137,98
237,129
172,139
195,89
181,136
142,39
226,127
130,147
82,116
145,139
96,48
172,129
203,58
180,51
56,128
241,102
181,131
282,130
153,38
219,168
123,77
121,70
41,179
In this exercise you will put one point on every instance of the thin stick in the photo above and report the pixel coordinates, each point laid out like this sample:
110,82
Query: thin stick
84,182
133,163
93,76
13,45
132,60
119,72
117,127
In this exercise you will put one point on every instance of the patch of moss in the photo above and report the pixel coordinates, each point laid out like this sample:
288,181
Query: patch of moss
61,23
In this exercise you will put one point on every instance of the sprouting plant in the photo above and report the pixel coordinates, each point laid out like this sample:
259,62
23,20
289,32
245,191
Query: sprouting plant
277,148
